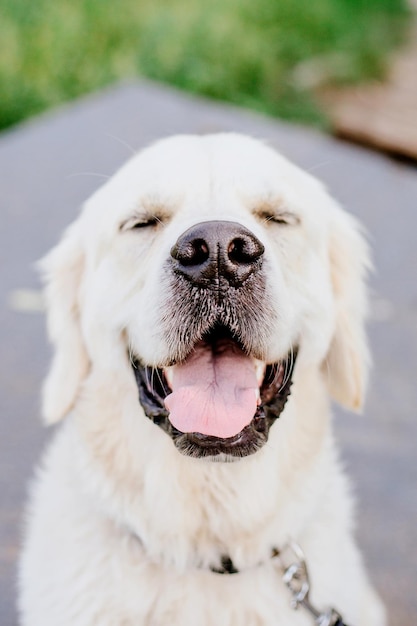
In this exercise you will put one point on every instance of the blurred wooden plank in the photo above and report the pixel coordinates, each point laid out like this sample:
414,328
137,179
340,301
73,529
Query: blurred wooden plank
382,115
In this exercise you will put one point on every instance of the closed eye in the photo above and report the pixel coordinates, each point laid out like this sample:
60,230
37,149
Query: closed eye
137,222
286,218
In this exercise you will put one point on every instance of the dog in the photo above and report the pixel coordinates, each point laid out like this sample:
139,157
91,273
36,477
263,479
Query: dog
204,308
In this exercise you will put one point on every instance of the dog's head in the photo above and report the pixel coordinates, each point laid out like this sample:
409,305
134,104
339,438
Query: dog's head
208,265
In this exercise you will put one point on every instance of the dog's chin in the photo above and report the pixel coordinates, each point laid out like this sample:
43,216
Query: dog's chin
251,439
274,385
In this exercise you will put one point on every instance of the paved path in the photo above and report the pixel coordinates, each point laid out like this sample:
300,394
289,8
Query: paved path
47,168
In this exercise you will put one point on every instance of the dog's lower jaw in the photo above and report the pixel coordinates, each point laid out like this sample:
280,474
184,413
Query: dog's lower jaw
251,439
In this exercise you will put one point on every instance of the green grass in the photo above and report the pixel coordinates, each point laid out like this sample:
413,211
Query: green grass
264,54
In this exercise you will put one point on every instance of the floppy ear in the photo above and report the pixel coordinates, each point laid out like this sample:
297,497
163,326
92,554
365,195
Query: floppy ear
63,269
348,358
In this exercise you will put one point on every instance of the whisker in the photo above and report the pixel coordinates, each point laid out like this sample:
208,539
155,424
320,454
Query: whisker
122,142
288,368
275,370
318,165
153,379
149,383
160,378
131,357
96,174
158,219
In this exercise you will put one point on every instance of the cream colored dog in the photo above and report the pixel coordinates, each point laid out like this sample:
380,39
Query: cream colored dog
203,308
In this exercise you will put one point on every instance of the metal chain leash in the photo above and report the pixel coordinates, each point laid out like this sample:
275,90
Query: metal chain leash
295,576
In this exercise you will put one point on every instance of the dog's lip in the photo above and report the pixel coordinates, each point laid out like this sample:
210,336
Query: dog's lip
208,441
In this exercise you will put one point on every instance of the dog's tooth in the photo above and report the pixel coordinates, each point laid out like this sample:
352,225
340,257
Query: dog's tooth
168,373
260,371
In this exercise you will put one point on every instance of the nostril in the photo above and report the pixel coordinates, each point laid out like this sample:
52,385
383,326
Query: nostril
194,252
244,250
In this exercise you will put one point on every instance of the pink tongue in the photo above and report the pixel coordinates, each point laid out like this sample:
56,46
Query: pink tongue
214,392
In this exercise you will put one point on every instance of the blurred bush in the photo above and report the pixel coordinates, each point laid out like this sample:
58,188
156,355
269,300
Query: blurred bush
270,55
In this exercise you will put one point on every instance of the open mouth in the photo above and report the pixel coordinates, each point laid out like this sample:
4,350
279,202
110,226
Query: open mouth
219,401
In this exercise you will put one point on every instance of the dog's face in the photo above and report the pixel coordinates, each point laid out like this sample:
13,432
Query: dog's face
211,263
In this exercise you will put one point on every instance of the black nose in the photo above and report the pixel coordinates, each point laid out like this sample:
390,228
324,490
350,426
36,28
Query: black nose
212,250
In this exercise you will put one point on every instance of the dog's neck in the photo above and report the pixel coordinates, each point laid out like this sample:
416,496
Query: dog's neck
241,509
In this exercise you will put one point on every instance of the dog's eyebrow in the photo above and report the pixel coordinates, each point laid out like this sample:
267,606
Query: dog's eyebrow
153,204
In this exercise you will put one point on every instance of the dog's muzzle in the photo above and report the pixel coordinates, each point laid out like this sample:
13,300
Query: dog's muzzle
215,396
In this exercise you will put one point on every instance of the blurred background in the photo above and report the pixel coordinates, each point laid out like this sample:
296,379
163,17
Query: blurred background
274,56
84,83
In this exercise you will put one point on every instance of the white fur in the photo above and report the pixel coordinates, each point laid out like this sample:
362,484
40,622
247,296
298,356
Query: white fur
111,476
